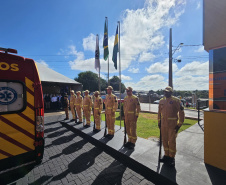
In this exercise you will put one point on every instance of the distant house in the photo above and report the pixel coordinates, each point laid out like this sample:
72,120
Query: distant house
54,82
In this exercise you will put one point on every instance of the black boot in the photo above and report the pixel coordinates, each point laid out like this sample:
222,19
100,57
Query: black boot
127,144
171,161
165,159
131,146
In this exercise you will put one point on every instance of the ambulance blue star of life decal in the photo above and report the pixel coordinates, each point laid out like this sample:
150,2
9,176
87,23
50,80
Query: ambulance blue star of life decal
7,95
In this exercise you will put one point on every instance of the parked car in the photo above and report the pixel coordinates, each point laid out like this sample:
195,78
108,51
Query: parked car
156,102
122,98
103,98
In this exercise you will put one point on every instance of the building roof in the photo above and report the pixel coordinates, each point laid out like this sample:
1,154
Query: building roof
48,75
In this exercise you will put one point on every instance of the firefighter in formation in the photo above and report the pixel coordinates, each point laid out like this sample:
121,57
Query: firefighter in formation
168,120
78,105
169,106
87,107
98,106
131,110
72,104
111,105
65,104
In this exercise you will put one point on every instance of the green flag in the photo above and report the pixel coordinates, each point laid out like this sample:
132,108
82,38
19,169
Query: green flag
115,50
105,42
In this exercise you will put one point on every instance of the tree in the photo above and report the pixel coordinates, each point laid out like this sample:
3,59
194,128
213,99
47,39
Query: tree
90,81
114,82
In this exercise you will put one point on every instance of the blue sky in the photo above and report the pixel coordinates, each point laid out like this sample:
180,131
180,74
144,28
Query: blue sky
62,35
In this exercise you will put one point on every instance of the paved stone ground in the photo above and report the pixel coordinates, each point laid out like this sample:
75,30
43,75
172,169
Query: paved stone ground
69,159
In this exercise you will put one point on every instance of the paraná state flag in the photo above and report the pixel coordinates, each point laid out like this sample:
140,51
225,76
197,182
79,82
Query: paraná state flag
115,50
97,55
105,42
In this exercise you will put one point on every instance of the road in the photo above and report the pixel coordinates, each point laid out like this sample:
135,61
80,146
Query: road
70,159
154,108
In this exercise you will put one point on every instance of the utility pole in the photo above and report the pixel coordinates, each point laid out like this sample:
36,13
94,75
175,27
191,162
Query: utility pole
170,60
171,52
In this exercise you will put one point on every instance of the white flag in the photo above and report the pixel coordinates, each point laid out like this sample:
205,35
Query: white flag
97,55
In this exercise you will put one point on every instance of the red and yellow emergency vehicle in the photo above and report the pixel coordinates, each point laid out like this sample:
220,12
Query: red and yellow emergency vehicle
21,111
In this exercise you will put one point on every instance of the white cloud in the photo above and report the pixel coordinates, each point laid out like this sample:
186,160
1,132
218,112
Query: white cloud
141,28
200,49
133,70
194,68
161,67
141,33
149,82
43,63
144,57
123,77
198,5
89,43
82,64
189,82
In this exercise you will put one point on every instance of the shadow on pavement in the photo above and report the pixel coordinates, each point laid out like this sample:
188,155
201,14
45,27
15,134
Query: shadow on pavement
217,176
58,133
84,161
50,123
169,172
16,174
51,129
61,140
71,149
111,175
41,180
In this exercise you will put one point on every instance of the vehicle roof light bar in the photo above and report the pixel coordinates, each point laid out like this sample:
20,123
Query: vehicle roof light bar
8,50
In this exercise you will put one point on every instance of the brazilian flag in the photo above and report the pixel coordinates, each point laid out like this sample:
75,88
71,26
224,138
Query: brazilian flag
115,50
105,42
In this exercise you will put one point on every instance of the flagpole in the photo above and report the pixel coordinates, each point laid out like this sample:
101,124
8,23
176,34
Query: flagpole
120,82
108,54
99,67
99,81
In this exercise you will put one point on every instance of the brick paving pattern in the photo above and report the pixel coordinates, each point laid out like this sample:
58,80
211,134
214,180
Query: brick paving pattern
69,159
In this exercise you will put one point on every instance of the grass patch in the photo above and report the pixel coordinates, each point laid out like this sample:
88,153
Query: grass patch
147,124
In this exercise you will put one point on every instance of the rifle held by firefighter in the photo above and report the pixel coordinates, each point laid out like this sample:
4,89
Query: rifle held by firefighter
160,143
94,125
105,131
125,140
76,115
83,119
